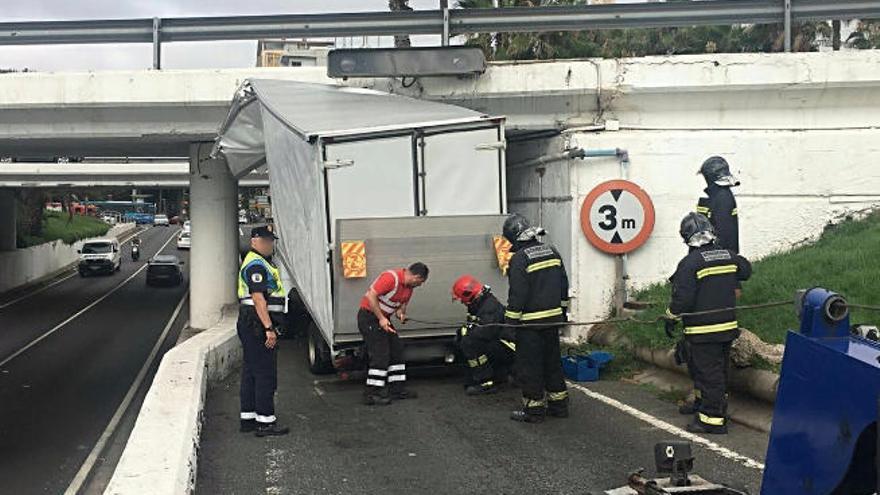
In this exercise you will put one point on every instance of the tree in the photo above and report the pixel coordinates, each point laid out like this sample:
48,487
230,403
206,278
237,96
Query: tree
616,43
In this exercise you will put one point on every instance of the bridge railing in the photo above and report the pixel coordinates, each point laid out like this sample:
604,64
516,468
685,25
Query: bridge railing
444,22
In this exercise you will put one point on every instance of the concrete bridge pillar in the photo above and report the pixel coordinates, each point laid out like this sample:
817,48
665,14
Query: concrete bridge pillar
214,257
7,219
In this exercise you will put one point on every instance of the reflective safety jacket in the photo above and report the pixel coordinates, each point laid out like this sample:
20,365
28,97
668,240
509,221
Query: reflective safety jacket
486,310
719,206
538,285
257,274
706,279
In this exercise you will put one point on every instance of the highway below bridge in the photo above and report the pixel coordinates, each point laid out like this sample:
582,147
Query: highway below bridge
76,357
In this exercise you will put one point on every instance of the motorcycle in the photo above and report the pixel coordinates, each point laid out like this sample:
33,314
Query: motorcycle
135,252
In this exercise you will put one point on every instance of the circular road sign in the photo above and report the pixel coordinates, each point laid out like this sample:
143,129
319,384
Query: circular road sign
617,216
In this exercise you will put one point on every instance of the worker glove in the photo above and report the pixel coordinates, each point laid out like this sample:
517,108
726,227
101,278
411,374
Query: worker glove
669,327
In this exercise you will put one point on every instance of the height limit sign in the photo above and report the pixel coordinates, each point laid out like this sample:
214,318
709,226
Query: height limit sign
617,216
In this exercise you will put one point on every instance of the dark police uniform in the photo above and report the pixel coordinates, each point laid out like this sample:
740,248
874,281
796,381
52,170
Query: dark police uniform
258,372
706,280
489,349
719,206
538,295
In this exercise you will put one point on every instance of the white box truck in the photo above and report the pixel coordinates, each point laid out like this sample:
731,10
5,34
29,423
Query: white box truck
401,179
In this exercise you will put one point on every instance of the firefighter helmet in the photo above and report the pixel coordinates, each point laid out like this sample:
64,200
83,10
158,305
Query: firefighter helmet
696,230
716,170
466,288
517,229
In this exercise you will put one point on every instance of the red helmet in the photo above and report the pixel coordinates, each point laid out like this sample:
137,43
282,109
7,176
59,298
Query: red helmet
466,289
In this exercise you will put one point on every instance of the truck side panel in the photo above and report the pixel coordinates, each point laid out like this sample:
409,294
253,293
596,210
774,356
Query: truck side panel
450,246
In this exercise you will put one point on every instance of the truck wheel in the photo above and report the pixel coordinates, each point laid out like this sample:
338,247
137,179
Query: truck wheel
320,362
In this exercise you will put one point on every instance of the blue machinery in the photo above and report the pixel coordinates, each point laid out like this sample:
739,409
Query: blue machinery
824,435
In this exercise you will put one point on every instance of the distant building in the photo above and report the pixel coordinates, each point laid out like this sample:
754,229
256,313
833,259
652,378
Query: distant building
292,53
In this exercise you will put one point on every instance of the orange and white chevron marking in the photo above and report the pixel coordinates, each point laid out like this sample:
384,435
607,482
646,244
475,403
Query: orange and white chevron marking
502,252
354,259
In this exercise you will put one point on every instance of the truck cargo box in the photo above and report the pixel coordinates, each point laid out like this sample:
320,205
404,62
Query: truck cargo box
338,156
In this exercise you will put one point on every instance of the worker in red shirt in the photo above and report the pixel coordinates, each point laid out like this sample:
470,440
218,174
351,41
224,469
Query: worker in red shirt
388,295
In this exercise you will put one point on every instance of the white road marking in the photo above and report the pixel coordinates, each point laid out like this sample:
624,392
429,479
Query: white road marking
80,312
274,471
674,430
53,284
92,458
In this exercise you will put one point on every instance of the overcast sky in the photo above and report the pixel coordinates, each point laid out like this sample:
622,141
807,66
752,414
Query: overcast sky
175,55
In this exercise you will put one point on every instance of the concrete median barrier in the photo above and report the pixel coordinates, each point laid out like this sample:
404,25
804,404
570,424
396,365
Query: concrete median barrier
161,455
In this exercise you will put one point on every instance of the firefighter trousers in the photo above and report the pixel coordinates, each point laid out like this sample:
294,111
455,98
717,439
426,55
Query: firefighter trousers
708,365
259,377
385,353
487,360
539,368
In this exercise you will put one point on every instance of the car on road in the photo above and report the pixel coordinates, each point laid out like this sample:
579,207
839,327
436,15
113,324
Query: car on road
184,240
99,256
161,219
164,269
187,226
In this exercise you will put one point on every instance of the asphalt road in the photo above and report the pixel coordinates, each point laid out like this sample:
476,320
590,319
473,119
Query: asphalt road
445,442
59,393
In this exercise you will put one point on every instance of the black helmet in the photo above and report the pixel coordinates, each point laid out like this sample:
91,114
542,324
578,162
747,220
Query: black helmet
716,170
517,230
696,230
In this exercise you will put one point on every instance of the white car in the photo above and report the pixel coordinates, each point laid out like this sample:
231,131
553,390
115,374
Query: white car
187,226
99,256
242,219
162,220
184,240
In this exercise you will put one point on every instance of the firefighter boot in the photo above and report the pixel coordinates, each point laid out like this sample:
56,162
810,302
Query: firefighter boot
533,411
485,388
247,425
699,427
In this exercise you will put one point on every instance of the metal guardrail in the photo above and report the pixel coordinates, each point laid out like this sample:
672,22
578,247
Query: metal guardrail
443,22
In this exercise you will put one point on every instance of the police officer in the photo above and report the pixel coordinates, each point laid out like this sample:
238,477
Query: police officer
719,204
261,303
488,348
538,298
706,280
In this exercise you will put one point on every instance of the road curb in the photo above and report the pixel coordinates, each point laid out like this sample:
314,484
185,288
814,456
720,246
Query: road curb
756,383
161,455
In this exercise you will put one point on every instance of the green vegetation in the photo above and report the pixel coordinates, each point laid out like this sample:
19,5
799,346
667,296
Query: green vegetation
57,225
844,259
613,43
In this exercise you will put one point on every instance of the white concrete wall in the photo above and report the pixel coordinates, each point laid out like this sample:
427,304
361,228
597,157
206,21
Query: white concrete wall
29,265
793,185
801,131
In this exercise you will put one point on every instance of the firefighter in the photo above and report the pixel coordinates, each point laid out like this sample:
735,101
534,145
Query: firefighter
489,349
706,280
388,295
261,304
719,205
536,305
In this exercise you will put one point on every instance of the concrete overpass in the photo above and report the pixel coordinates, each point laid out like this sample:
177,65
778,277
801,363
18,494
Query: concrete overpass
177,113
174,174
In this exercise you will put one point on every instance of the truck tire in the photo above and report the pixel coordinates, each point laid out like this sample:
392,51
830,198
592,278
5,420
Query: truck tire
318,353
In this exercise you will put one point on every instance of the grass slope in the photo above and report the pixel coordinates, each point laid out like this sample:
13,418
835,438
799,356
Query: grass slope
846,259
56,226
